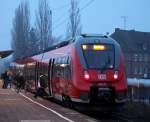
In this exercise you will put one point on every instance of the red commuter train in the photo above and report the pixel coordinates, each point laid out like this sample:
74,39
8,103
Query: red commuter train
87,71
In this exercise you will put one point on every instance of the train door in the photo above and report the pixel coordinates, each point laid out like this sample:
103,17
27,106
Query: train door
43,77
50,75
36,75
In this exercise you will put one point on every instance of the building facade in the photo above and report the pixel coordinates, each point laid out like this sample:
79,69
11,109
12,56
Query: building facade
136,49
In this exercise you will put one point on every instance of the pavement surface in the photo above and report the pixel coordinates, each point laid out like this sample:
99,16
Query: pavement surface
23,107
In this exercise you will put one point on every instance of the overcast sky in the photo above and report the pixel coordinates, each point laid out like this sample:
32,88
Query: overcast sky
100,16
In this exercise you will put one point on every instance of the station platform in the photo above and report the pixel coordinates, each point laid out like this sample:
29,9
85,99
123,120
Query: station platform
23,107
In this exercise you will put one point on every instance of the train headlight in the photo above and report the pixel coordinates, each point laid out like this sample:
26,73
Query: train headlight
84,47
116,75
86,75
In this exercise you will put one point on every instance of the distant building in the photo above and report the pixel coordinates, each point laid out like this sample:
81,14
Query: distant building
136,49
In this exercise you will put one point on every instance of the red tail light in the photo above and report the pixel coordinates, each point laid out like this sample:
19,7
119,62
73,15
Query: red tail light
116,75
86,75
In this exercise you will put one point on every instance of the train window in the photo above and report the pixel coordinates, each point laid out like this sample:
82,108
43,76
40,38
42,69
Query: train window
100,59
68,60
63,69
68,69
59,60
62,60
56,61
55,68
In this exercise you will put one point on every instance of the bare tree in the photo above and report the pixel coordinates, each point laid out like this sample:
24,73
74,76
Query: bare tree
74,25
20,30
57,39
33,42
44,24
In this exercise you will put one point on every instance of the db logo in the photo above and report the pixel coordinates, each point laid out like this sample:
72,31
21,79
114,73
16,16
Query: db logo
102,76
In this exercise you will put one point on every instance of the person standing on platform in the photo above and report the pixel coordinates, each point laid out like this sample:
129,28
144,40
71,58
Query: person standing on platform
41,86
9,79
4,78
20,81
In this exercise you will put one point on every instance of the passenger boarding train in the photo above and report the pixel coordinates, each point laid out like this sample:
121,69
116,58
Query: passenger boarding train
88,71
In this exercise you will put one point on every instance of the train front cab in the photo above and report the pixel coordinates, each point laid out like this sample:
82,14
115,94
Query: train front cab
98,73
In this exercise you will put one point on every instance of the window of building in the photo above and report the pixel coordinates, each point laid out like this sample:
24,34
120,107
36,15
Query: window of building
146,57
144,46
140,57
145,72
127,66
135,57
140,70
135,70
128,57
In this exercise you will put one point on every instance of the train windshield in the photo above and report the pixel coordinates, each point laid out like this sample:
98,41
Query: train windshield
99,56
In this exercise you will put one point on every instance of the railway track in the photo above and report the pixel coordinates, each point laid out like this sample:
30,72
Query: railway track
113,117
100,117
103,117
122,117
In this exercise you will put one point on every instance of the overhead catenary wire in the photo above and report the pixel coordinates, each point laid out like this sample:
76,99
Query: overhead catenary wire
59,18
61,7
61,23
64,20
85,6
64,13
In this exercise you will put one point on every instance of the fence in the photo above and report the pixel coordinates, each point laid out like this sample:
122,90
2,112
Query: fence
139,94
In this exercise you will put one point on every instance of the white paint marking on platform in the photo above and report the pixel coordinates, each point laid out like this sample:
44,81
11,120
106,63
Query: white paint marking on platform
72,113
8,99
90,120
58,114
35,121
4,93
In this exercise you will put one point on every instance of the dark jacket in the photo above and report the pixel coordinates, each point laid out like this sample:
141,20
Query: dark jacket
43,83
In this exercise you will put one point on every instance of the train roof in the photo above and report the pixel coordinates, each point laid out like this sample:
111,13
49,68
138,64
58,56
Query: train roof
83,38
62,51
95,38
59,45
